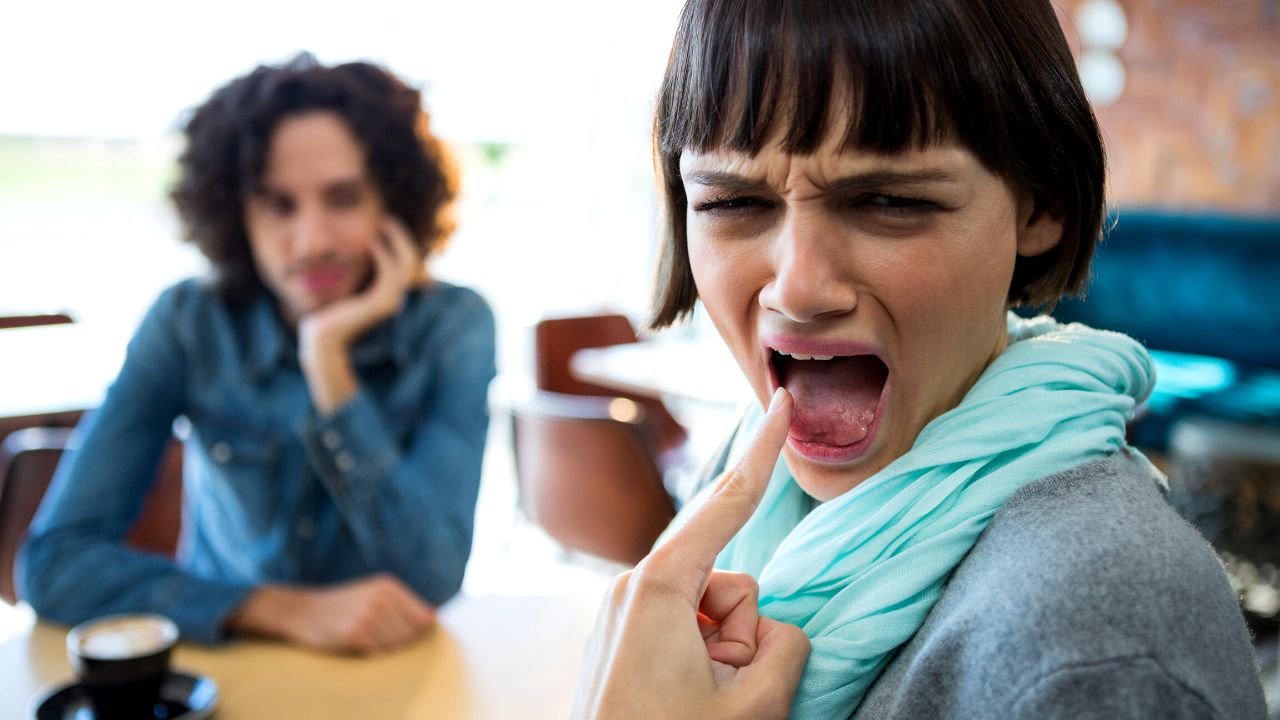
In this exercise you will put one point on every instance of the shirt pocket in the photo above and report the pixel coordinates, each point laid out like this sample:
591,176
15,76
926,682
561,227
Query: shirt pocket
239,469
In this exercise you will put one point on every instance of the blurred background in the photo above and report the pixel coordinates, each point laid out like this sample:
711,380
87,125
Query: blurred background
547,106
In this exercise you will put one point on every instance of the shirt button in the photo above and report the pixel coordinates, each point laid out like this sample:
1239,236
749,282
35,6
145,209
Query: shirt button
345,462
306,529
332,439
220,452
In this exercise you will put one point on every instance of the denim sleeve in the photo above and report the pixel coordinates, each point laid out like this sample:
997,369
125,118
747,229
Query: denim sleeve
411,509
74,565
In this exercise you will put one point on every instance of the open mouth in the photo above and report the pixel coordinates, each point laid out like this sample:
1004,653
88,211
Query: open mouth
838,401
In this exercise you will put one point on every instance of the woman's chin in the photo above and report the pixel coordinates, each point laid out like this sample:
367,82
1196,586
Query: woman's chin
822,481
825,481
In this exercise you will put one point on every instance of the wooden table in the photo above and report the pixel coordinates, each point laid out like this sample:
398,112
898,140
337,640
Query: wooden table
703,371
491,657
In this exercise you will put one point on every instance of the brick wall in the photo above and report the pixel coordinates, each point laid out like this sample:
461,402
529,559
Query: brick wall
1198,125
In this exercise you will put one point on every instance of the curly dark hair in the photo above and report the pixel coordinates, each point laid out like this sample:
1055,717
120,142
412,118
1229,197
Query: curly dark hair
228,138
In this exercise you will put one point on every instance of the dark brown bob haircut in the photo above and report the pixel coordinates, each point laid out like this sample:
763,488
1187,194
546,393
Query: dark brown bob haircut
229,137
994,76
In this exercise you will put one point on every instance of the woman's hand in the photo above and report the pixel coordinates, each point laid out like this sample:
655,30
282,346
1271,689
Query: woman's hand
325,336
676,638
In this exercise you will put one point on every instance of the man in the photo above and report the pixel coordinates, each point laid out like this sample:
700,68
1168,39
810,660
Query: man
335,394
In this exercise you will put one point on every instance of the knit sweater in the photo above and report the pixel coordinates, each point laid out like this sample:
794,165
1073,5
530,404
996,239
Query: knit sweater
1086,597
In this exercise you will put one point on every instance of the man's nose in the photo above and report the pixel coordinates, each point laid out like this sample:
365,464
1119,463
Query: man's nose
312,235
811,278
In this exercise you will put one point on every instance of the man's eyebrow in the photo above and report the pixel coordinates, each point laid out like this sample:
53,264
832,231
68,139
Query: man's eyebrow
347,183
264,187
859,181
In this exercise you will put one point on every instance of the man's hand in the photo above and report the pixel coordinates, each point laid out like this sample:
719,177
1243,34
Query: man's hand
373,614
676,638
325,335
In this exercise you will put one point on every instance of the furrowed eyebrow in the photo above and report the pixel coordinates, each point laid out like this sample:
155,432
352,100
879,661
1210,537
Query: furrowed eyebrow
860,181
882,178
726,180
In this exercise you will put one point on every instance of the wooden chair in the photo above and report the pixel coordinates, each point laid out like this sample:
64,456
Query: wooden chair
17,321
588,475
28,458
557,339
58,420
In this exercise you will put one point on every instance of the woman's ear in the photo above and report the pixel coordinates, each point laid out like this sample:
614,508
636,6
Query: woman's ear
1040,225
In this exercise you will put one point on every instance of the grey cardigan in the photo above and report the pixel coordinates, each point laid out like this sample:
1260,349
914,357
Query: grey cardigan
1086,597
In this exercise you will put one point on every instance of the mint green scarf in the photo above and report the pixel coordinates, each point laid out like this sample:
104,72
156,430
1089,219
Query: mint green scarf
860,573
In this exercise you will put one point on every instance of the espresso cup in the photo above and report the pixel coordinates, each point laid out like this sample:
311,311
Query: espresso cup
121,661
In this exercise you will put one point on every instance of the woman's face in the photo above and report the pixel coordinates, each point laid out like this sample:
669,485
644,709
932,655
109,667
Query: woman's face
872,287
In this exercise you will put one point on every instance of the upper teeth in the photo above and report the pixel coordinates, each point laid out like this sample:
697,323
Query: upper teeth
801,356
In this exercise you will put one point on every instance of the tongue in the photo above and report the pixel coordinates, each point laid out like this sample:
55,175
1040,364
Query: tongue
835,400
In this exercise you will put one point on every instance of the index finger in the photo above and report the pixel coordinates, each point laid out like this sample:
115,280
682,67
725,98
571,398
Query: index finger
735,497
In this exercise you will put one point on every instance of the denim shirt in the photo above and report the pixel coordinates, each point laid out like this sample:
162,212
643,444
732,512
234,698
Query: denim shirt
273,491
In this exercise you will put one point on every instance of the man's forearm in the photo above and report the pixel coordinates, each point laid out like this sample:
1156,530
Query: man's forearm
70,578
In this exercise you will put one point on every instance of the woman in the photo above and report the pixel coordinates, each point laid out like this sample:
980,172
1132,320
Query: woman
858,190
336,397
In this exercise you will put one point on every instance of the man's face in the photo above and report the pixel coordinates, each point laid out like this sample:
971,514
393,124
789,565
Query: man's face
316,216
872,287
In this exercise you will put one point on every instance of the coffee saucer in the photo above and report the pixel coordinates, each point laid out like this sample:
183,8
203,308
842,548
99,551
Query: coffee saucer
182,697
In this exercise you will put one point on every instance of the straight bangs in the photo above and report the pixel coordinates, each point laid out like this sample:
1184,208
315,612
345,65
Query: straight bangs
889,76
789,71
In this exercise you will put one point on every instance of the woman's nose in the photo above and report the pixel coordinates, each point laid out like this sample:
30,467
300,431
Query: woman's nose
811,280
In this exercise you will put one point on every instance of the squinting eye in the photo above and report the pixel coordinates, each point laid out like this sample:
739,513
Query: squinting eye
896,204
730,205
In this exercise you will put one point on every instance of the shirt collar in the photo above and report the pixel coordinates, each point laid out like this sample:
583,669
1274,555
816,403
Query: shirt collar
267,335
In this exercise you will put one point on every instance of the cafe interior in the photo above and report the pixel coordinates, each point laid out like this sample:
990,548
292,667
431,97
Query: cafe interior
600,429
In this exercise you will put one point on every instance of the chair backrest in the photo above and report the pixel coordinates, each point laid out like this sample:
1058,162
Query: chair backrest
587,474
557,339
17,321
68,420
28,459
